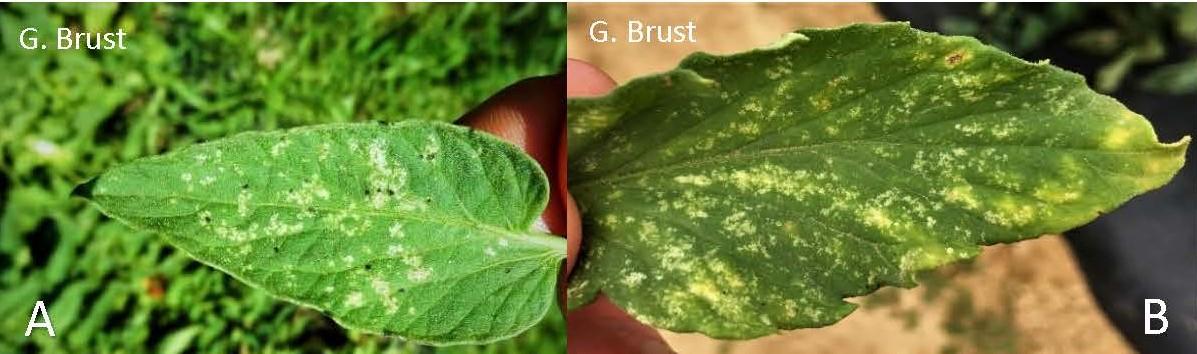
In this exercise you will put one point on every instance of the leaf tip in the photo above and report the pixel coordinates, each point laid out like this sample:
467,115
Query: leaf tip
85,189
1182,144
1181,147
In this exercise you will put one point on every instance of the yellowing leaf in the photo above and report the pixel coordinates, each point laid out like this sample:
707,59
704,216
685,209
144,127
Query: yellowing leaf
746,194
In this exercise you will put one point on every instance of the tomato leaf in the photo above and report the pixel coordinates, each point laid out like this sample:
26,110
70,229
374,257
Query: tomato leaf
746,194
418,229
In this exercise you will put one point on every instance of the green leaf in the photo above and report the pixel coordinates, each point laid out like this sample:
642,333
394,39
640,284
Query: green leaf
741,195
1174,79
418,229
178,341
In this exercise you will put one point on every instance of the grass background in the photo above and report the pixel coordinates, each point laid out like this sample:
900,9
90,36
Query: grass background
194,72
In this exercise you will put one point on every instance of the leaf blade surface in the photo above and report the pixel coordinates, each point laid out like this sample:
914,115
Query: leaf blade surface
741,195
417,229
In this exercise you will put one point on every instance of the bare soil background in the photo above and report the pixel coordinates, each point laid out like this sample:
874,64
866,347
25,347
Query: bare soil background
1028,297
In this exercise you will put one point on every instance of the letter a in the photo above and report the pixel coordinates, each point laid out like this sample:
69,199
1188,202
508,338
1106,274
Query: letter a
47,325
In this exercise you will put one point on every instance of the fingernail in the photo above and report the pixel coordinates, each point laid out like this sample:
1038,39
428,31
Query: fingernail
655,347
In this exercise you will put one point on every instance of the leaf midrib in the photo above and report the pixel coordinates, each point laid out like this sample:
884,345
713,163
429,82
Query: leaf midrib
548,241
738,155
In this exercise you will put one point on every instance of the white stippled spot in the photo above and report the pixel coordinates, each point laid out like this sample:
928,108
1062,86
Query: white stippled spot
752,106
387,179
747,128
969,128
277,149
354,300
697,180
1057,192
433,147
738,224
419,274
277,227
1007,212
383,289
396,230
378,156
878,218
325,148
962,195
633,279
243,200
205,218
347,222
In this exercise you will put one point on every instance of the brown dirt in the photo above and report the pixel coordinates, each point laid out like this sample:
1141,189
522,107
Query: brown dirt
1024,298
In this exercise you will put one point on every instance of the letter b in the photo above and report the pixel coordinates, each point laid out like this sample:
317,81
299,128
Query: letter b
64,35
635,34
1148,316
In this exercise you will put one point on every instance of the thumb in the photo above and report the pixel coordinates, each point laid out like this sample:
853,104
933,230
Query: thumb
530,114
